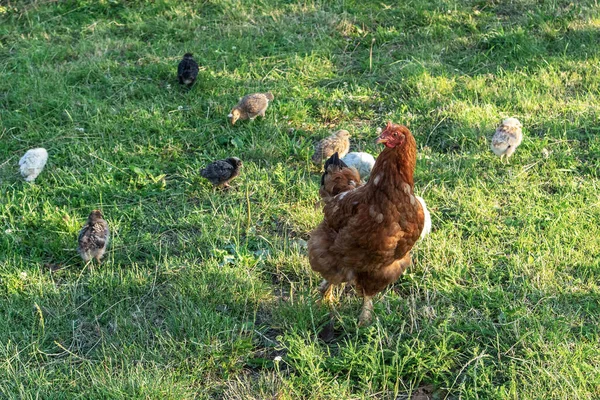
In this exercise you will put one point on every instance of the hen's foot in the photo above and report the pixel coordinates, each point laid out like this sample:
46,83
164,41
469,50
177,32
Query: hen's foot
323,286
326,290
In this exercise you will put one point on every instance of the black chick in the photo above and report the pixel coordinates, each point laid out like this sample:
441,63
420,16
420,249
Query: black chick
221,172
93,237
187,71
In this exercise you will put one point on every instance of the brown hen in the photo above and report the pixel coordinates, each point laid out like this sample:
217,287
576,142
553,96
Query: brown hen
368,231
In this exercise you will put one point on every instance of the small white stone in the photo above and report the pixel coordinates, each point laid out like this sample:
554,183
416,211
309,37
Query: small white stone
545,153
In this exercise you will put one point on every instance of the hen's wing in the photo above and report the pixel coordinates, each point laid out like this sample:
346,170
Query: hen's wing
337,178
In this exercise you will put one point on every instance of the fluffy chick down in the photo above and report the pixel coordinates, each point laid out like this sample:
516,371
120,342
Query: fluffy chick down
221,172
251,106
32,163
363,162
507,138
93,237
338,142
187,70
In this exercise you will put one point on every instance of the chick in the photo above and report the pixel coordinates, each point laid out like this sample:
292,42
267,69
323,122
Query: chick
427,225
507,138
221,172
251,106
187,71
32,163
338,142
363,162
93,237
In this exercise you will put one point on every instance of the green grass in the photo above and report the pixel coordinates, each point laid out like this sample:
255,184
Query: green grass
202,290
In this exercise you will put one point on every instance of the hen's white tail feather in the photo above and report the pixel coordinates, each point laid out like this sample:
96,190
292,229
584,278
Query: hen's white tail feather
427,226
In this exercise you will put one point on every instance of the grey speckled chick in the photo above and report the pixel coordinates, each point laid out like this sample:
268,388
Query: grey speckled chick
251,106
221,172
187,70
93,237
507,138
338,142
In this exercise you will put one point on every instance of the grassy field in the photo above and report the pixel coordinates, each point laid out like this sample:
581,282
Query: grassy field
205,294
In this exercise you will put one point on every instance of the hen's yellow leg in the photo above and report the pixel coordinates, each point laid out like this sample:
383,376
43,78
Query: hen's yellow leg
366,313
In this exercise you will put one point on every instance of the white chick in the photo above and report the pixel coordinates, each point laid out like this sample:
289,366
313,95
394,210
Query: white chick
32,163
363,162
507,138
427,226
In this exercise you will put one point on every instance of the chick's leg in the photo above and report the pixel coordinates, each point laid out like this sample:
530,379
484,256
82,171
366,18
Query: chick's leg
366,314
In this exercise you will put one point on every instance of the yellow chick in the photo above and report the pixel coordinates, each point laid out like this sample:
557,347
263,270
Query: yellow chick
507,138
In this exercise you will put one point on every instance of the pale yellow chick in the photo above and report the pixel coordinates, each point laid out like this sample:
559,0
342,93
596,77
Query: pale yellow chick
507,138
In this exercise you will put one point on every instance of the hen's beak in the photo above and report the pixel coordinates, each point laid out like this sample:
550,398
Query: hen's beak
381,140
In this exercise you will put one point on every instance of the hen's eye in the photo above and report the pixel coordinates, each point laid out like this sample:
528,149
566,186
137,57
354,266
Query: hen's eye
395,134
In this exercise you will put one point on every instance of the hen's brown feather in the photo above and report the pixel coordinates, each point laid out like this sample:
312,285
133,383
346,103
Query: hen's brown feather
338,178
367,233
